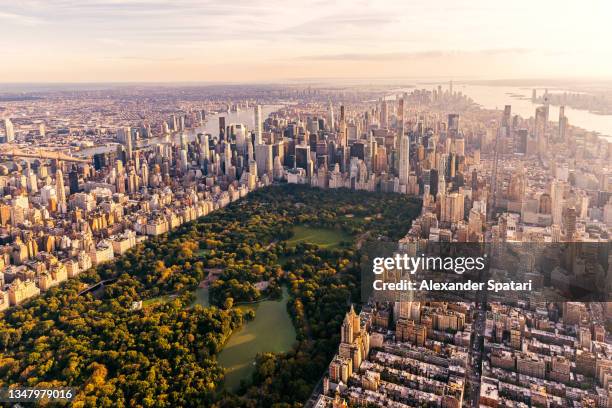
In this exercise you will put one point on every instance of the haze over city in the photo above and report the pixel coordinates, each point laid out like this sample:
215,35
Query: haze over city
306,204
271,40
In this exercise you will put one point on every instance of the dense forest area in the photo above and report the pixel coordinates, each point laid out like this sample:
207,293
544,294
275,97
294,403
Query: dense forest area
164,355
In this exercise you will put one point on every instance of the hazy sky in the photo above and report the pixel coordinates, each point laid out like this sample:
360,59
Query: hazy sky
274,40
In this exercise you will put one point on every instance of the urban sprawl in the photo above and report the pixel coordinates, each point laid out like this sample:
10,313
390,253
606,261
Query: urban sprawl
88,174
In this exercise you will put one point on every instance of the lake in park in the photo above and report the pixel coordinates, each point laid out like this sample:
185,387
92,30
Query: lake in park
271,331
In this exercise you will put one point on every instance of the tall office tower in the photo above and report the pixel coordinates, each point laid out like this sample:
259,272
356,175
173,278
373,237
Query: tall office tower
534,95
263,157
124,135
302,154
404,153
61,192
556,195
452,207
120,183
459,146
312,125
330,116
185,161
241,136
494,181
250,152
221,127
73,180
9,130
384,115
253,167
453,124
227,157
343,137
41,130
31,181
144,173
562,123
258,125
540,129
204,146
441,184
569,223
506,119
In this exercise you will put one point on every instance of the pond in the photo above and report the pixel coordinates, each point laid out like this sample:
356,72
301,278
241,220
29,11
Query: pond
201,297
271,331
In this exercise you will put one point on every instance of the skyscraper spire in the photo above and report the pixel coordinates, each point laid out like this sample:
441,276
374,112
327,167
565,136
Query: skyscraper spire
404,152
258,125
61,191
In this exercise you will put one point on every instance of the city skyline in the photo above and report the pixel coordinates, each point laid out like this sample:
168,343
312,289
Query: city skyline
262,41
256,203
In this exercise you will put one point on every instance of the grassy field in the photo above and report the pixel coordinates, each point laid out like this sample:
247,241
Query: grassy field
323,237
156,300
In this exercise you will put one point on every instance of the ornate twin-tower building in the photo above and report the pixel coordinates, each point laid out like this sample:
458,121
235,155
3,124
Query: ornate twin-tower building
353,349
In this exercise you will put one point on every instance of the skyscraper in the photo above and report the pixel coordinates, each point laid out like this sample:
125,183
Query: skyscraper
61,191
384,115
124,135
258,125
541,119
343,128
453,124
263,157
73,178
204,147
404,153
557,198
330,116
562,122
9,130
506,119
221,127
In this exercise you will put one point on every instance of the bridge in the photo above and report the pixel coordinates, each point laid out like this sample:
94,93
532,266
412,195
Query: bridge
13,151
97,286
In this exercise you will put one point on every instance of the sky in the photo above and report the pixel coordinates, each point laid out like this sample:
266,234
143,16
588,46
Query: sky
283,40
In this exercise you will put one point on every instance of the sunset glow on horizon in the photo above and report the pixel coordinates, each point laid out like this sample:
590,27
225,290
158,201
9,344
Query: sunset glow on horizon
266,40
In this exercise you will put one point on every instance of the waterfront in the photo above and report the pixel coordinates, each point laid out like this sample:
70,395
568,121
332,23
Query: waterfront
495,97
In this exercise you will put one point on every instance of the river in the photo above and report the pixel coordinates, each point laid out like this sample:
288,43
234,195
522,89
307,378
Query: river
495,97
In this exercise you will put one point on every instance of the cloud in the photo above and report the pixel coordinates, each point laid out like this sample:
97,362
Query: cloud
146,58
394,56
19,18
